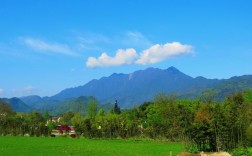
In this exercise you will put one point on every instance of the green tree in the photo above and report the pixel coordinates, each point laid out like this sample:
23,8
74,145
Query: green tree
5,108
36,123
7,119
154,121
203,132
66,118
92,108
101,112
208,96
47,116
248,95
117,109
78,123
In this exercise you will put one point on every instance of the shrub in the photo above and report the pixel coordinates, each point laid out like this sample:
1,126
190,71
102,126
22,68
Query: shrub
241,152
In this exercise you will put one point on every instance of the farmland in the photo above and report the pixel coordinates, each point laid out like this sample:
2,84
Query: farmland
10,145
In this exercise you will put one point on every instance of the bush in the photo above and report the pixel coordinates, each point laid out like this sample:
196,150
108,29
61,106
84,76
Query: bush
192,148
241,152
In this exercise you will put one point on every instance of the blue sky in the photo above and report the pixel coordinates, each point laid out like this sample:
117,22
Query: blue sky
49,45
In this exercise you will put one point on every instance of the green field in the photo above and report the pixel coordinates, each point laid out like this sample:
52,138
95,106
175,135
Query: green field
10,145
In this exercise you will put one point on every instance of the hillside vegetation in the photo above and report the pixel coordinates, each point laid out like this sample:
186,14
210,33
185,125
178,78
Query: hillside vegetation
203,124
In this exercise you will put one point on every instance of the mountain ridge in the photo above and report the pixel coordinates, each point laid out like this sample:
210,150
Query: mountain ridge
17,104
141,85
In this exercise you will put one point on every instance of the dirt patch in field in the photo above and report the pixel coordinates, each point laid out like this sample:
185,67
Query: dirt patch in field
204,154
187,154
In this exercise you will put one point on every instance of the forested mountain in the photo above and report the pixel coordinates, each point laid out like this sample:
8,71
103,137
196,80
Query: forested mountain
232,85
143,85
40,103
57,107
17,104
132,90
79,104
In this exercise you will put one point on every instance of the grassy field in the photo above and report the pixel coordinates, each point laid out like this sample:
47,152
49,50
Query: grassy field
10,145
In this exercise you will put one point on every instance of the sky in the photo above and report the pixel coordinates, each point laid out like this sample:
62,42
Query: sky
49,45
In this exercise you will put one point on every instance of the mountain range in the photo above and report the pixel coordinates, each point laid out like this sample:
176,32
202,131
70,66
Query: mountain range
140,86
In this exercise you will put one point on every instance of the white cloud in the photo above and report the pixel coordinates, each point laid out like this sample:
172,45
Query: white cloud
40,45
154,54
158,53
122,57
1,91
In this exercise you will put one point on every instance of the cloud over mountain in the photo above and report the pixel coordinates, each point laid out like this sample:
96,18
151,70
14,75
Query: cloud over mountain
154,54
158,52
127,56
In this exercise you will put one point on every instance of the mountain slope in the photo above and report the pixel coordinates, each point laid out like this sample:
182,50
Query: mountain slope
17,104
79,104
232,85
139,86
57,107
40,103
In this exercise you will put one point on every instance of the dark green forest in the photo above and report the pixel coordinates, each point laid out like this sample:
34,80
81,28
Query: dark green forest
204,124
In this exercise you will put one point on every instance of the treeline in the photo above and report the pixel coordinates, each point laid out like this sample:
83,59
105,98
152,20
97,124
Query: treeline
202,124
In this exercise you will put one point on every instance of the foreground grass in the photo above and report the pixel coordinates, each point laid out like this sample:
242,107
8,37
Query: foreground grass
10,145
